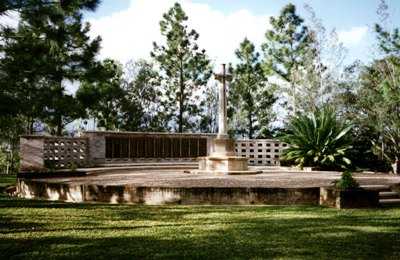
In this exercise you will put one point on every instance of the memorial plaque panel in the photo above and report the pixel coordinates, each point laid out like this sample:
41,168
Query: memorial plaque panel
167,148
117,148
176,148
109,146
150,148
133,147
158,147
194,147
185,147
141,147
202,147
125,147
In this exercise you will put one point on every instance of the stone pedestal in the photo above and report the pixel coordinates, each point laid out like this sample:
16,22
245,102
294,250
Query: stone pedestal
223,160
223,147
223,164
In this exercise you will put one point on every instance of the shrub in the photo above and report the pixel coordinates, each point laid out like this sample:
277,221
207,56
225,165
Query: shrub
317,140
346,182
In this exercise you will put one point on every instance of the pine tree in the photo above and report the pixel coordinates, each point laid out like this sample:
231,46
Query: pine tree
49,49
287,50
249,93
143,89
102,98
184,68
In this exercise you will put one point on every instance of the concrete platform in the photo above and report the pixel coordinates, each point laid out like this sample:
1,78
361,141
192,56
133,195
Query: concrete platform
274,186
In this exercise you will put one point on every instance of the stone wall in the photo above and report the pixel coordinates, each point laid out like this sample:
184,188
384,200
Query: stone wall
28,188
260,151
38,152
31,152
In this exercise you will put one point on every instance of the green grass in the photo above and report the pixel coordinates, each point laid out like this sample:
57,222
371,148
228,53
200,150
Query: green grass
35,229
6,180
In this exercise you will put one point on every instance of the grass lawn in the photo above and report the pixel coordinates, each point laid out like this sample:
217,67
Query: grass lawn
35,229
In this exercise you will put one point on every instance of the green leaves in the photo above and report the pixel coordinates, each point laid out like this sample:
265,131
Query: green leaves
185,67
346,182
249,96
317,139
49,48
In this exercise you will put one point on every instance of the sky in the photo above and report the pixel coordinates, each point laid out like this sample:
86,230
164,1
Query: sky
129,27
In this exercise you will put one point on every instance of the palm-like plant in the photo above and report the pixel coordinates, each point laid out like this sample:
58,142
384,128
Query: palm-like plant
317,139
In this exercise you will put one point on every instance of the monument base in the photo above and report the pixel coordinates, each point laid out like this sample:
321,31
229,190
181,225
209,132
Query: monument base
223,147
223,160
226,165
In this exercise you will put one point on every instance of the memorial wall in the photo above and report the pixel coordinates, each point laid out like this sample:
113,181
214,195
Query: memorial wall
98,148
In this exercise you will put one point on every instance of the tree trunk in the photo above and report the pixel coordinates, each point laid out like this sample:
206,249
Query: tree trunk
395,165
59,125
250,124
30,126
181,89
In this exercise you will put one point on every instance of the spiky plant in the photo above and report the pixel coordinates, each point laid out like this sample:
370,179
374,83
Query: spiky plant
318,140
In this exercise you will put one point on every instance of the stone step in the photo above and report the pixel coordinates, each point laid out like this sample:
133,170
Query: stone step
150,164
388,195
379,188
389,201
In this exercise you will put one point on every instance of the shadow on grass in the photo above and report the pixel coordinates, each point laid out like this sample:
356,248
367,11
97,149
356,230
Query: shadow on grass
107,231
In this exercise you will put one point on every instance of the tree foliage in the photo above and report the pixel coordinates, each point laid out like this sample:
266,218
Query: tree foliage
184,68
249,95
49,49
143,90
102,97
323,68
287,51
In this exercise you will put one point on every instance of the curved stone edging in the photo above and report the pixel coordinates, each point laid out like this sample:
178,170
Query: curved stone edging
168,195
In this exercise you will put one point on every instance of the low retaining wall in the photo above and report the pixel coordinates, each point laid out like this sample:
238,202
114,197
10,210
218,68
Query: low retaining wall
167,195
356,198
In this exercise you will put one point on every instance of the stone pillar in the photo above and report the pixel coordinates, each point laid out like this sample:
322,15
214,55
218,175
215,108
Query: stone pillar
96,148
222,114
222,145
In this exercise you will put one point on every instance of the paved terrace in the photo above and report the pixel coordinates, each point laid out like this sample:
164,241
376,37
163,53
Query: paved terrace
175,177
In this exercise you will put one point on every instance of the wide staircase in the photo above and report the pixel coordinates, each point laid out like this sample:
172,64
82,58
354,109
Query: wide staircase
386,195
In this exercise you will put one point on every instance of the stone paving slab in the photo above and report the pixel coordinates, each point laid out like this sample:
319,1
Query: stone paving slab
270,177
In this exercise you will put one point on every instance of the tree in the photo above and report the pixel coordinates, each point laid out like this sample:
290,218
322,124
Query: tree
102,98
248,93
20,5
124,98
379,108
209,113
143,88
324,67
287,51
317,139
185,68
49,49
377,103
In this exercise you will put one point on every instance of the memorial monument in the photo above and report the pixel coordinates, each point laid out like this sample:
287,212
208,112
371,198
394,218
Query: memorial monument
223,159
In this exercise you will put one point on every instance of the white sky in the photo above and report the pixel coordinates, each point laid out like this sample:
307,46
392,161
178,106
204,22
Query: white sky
128,28
220,34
